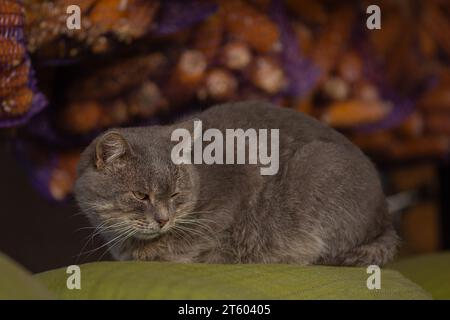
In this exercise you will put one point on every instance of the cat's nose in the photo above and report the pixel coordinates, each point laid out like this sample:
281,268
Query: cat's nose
162,222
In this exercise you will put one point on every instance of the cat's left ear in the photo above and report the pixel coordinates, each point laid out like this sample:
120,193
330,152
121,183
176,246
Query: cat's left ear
110,147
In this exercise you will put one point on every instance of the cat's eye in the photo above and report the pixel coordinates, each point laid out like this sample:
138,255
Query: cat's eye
140,195
174,195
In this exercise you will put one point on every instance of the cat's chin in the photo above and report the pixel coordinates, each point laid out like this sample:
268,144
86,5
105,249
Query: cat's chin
147,236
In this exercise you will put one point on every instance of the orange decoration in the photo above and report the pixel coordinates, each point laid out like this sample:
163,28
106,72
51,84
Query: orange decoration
355,112
247,24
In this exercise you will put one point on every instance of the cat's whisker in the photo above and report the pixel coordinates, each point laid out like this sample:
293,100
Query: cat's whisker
90,239
125,236
99,229
109,242
111,228
181,235
196,219
185,237
175,231
200,227
79,213
84,228
190,211
196,232
198,222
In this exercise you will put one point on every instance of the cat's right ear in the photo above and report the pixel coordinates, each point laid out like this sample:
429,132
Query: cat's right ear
109,148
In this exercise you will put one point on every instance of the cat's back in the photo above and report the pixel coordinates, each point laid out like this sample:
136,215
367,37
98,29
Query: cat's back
264,115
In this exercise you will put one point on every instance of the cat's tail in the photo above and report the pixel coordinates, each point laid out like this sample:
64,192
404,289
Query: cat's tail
378,252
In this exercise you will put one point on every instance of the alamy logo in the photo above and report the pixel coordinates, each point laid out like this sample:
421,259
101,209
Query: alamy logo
236,141
374,280
74,278
374,20
73,22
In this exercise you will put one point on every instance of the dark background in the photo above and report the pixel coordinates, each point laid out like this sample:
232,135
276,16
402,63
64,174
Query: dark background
37,233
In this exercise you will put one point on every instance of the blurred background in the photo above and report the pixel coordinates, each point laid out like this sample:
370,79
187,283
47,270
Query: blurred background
137,62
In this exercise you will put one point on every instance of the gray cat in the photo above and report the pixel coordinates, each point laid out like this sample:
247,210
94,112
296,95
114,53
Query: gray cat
324,206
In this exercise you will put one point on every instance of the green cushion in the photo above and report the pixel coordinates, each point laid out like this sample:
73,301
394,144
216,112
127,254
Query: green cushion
158,280
16,283
431,271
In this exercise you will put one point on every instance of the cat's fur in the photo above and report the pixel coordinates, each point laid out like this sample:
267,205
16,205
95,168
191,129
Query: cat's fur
325,205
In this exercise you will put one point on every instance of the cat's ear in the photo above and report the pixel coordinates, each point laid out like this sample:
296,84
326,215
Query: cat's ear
109,148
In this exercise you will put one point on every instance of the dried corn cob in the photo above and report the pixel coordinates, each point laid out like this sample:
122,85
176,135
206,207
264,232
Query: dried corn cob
438,123
12,53
420,147
113,79
438,26
412,126
146,101
366,91
310,11
374,143
246,23
236,55
333,38
220,84
350,67
208,37
267,74
126,20
336,88
11,14
354,113
383,42
304,37
13,79
187,76
17,103
19,97
427,45
436,99
63,175
114,114
81,117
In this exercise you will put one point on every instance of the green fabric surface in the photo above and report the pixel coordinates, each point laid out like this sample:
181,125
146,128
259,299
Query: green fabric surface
431,272
16,283
160,280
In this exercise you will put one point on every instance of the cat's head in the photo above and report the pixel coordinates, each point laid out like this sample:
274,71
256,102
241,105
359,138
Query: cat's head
127,184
